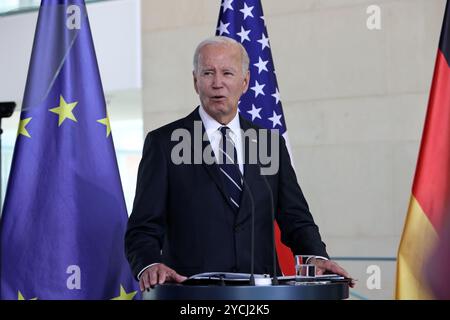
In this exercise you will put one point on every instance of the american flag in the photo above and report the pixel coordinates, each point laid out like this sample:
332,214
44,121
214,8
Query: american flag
243,20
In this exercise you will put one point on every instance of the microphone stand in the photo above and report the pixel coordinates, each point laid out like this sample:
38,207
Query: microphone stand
272,219
272,216
252,246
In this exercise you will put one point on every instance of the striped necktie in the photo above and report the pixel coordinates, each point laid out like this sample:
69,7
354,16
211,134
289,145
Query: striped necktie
229,167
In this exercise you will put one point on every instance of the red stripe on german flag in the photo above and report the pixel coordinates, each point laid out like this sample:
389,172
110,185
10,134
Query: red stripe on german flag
432,180
430,200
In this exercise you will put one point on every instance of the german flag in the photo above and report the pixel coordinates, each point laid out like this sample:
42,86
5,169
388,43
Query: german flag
430,199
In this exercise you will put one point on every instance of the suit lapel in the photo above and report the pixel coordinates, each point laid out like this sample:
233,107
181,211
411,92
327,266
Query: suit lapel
212,169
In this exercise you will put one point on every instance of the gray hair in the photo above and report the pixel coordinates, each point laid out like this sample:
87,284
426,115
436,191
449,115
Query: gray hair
222,40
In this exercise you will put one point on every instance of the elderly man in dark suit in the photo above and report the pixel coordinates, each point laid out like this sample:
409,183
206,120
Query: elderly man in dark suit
193,215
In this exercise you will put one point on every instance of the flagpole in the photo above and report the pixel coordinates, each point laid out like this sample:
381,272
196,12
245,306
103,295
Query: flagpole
6,110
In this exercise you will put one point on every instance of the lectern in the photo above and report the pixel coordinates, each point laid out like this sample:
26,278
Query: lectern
286,290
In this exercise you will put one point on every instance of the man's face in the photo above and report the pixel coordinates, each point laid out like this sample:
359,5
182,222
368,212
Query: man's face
219,81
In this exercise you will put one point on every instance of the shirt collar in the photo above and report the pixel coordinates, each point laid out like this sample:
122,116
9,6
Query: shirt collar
212,125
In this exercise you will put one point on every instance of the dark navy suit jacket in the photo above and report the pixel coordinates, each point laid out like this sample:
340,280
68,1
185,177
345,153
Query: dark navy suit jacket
182,216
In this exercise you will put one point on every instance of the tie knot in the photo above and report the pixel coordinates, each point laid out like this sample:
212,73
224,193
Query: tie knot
225,131
226,137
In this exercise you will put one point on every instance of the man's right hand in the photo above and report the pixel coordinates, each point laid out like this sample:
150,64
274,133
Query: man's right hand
158,274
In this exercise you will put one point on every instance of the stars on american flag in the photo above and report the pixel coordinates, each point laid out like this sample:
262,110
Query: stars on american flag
276,95
261,65
223,28
243,34
247,11
243,20
226,4
264,42
258,88
275,119
255,112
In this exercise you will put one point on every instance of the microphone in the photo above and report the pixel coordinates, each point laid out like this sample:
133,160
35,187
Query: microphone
7,109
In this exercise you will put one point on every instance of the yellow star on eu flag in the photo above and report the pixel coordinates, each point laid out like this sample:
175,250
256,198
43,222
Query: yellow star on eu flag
21,297
22,127
64,110
125,296
105,121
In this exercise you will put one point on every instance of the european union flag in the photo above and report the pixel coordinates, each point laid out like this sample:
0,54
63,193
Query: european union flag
64,216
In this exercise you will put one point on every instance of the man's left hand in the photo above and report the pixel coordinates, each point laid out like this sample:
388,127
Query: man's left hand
328,266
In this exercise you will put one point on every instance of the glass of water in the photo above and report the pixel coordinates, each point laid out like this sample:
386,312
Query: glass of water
303,269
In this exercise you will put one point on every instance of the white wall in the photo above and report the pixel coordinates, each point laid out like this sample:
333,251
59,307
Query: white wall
116,32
